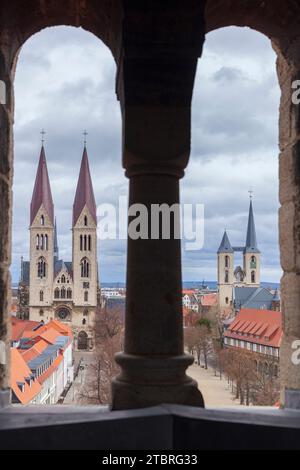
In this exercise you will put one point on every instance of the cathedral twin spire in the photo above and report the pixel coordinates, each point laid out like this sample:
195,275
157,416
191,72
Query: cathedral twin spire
42,193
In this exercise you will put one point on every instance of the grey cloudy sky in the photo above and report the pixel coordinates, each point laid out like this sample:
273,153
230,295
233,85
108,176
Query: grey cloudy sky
65,83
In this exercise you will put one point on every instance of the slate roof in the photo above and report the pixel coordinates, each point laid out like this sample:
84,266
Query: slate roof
84,191
252,297
251,242
42,190
60,264
225,246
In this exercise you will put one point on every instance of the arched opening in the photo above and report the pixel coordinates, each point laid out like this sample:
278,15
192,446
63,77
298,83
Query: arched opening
82,342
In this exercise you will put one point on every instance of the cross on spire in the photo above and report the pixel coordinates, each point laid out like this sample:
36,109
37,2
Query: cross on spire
250,193
43,136
85,133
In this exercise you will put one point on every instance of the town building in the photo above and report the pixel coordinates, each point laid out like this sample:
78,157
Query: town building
41,361
229,275
189,300
258,331
58,289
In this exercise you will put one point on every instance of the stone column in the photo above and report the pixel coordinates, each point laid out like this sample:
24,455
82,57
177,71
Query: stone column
288,67
155,82
6,151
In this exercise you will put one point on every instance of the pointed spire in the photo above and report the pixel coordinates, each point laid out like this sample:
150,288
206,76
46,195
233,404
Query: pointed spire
84,193
56,250
276,296
42,190
251,243
225,246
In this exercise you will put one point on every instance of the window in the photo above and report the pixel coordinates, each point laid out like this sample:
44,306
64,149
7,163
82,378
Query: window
226,276
63,279
81,245
253,262
85,221
37,243
226,300
90,242
86,296
253,276
85,268
46,242
84,321
42,242
42,220
63,293
41,296
56,293
69,293
227,261
85,247
41,268
41,312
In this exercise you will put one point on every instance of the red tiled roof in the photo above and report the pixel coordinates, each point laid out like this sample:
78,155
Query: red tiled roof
84,192
19,371
188,292
20,326
208,300
250,323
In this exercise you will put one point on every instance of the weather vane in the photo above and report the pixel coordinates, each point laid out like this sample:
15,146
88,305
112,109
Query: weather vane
85,133
43,135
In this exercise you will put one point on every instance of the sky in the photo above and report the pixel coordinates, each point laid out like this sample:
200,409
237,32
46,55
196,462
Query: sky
65,83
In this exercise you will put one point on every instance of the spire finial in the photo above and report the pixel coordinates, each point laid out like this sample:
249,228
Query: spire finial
85,133
250,194
43,133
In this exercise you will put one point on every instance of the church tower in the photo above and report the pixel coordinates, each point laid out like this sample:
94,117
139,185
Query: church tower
84,262
225,271
251,253
41,243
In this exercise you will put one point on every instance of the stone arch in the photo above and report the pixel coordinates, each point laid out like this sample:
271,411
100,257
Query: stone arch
82,342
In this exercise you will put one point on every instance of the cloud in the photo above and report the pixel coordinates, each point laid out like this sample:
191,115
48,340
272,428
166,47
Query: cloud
65,83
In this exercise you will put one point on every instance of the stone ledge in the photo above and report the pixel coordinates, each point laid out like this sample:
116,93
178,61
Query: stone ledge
162,427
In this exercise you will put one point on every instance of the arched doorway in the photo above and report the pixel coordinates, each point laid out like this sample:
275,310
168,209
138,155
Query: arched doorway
82,340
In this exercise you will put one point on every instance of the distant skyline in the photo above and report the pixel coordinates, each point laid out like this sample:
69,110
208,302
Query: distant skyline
65,83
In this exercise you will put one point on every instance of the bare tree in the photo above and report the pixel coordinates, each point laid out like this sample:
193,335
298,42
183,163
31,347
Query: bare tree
108,341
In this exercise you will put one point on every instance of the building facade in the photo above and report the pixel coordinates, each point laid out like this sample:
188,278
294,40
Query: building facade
229,275
58,289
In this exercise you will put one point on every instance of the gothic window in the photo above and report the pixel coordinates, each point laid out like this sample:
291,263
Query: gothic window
84,321
37,243
41,296
46,242
69,293
86,296
63,293
226,300
253,276
85,268
85,221
42,242
226,276
41,267
63,279
42,220
56,293
82,340
81,245
253,262
89,242
84,242
226,261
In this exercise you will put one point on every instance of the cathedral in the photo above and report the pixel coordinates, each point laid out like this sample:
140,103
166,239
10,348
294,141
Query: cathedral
58,289
231,277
